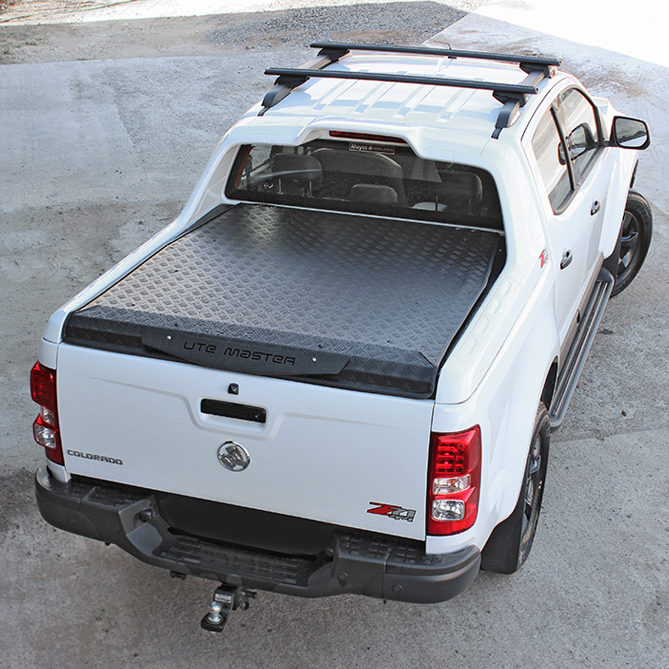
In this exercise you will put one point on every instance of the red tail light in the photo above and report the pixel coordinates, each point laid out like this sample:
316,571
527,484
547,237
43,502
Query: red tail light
45,427
454,481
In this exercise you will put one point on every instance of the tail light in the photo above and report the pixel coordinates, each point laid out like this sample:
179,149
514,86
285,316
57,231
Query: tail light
45,427
454,481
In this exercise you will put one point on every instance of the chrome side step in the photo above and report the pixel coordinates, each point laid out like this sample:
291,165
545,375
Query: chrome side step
575,360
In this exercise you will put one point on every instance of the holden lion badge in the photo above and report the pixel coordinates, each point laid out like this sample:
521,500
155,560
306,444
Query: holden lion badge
233,456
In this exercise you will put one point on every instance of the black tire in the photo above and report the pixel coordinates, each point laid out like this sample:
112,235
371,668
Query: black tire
635,235
511,541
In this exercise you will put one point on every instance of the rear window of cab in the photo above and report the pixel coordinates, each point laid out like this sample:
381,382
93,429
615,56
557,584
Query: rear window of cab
365,177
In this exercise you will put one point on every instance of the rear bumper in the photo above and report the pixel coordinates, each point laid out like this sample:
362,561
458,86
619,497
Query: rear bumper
356,562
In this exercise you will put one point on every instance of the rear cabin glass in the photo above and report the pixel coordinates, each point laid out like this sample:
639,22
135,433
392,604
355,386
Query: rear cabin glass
365,178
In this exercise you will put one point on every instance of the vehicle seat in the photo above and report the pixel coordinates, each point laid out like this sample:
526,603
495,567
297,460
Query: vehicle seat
458,193
374,193
297,174
344,169
461,190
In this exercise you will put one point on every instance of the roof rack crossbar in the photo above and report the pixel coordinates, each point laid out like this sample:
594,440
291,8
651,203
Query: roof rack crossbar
282,89
511,96
511,103
295,77
527,63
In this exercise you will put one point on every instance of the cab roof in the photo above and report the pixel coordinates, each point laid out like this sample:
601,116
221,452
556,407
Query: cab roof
475,93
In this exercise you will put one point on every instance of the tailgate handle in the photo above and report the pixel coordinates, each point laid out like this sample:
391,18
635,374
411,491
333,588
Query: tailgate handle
233,410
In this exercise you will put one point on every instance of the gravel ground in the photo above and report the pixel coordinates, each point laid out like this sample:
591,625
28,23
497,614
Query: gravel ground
366,21
222,34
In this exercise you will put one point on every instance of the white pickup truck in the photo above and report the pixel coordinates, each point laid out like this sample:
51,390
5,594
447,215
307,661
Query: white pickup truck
337,370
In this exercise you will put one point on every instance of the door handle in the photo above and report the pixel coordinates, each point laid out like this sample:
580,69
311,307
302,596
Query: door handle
567,257
596,206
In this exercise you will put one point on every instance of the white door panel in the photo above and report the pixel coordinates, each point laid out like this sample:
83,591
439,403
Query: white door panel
574,171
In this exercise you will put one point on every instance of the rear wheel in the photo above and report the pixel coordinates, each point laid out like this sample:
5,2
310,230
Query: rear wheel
511,541
635,235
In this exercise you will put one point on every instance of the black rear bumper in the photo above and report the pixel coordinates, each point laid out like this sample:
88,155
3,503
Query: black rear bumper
355,562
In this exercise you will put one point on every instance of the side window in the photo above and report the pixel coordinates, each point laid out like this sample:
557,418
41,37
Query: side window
549,152
580,130
565,145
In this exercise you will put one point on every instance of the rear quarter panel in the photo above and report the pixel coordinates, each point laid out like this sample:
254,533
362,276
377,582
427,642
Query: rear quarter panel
504,405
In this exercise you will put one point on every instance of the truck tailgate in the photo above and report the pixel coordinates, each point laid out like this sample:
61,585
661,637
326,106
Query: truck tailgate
323,453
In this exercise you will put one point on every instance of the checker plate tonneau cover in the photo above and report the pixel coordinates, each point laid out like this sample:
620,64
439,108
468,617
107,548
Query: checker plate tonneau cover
334,299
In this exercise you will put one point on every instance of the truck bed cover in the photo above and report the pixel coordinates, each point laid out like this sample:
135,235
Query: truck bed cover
358,302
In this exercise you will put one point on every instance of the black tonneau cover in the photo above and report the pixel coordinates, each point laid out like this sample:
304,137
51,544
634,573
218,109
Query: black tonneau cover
357,302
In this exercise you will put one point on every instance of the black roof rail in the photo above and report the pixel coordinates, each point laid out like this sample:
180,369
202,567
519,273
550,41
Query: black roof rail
512,96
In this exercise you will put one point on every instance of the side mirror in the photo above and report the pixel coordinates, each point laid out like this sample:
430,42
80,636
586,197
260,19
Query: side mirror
580,141
630,133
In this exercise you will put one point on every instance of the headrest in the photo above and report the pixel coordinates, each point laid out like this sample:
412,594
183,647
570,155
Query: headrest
353,162
459,186
296,167
374,193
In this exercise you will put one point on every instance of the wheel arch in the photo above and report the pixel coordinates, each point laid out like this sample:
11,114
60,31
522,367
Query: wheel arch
622,180
549,385
629,256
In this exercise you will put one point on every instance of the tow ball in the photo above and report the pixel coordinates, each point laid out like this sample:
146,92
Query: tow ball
226,599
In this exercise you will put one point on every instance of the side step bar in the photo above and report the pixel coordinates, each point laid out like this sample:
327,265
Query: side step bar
575,360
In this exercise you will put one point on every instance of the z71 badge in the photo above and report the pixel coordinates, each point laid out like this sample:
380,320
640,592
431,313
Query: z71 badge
392,511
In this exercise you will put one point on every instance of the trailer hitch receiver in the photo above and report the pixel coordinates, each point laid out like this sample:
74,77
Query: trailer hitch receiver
226,599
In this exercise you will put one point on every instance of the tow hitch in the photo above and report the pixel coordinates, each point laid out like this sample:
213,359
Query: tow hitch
226,599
